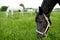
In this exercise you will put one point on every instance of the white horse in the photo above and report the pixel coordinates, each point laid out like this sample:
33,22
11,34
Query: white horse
12,9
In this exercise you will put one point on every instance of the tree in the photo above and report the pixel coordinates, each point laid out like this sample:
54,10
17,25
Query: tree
3,8
22,6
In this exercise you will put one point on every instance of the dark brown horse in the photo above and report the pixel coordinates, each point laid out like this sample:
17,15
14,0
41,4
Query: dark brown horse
43,16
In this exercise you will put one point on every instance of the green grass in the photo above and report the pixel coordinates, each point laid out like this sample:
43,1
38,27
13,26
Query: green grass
23,27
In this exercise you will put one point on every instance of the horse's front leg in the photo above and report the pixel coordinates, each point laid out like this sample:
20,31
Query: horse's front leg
12,11
21,13
7,11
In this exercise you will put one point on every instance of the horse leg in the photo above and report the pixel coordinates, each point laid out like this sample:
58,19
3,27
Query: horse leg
7,11
21,12
12,12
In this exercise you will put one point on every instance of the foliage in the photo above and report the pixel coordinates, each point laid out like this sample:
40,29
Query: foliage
22,5
3,8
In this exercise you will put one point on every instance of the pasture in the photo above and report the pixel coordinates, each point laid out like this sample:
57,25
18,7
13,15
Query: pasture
24,27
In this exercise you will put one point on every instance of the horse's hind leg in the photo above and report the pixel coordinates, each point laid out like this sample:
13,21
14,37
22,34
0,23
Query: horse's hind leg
12,12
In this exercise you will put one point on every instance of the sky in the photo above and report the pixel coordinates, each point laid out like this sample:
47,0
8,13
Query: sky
27,3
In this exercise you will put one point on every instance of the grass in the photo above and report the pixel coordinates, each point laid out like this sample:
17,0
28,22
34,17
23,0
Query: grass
23,27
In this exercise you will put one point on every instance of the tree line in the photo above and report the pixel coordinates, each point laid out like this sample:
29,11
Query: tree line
4,8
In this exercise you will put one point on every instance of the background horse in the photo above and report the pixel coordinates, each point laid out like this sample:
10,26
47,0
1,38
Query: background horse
43,16
12,9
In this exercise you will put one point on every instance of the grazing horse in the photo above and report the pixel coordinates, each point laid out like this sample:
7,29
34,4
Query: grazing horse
43,16
12,9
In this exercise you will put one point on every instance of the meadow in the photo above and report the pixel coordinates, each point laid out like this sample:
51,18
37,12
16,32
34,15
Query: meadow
19,27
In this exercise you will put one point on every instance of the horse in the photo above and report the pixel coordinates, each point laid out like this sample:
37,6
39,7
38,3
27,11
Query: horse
43,16
12,9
